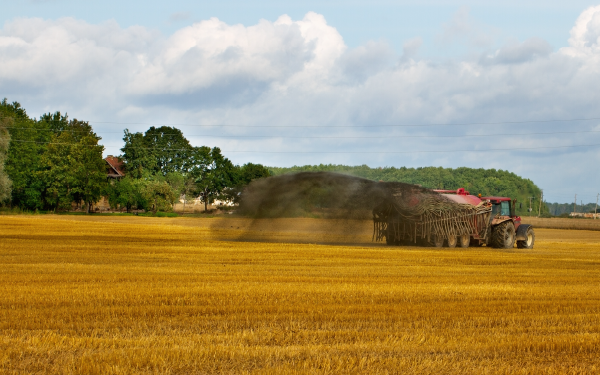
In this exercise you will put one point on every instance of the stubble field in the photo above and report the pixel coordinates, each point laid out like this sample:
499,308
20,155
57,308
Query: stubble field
110,295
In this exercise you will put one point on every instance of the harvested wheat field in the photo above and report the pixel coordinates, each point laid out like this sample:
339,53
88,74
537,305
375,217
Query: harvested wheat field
110,295
563,223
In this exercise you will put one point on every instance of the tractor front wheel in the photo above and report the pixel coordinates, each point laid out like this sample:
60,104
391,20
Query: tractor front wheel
503,235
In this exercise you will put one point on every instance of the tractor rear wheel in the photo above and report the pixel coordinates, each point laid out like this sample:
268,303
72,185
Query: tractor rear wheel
451,241
503,235
464,240
528,243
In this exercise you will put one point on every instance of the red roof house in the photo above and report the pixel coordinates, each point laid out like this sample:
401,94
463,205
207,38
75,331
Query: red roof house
115,167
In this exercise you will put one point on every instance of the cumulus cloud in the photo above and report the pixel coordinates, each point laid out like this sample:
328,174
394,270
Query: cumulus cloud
585,35
365,61
299,77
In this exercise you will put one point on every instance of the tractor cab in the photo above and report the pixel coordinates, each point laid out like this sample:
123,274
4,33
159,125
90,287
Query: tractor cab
501,207
503,210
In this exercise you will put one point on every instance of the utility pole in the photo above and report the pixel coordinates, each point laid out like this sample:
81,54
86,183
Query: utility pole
596,210
541,200
530,209
575,205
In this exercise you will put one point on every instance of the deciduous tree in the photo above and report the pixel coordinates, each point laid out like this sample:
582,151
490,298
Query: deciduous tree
74,170
5,182
127,193
23,165
212,172
159,151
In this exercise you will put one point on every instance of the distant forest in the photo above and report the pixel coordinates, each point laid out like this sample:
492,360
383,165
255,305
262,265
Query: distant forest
487,182
558,209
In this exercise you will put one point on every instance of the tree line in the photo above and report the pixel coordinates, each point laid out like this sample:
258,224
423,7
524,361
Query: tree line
564,209
51,162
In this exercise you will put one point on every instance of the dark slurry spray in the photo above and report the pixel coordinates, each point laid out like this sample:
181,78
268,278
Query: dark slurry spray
321,194
348,202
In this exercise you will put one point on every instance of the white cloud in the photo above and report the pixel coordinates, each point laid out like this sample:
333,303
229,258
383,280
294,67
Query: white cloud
585,35
301,73
411,48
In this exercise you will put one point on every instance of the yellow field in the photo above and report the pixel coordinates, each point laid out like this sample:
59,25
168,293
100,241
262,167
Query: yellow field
111,295
563,223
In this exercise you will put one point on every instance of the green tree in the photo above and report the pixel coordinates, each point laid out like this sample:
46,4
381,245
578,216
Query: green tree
55,122
127,192
250,171
212,172
158,195
74,170
57,174
189,187
23,165
160,150
242,176
138,158
177,182
5,182
89,170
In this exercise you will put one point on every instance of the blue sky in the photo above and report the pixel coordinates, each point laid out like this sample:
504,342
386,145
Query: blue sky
357,21
284,83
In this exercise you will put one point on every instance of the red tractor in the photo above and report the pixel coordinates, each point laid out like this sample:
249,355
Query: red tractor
503,228
451,218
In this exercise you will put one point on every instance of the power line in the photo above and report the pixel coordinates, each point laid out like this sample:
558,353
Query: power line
345,137
352,126
347,126
330,152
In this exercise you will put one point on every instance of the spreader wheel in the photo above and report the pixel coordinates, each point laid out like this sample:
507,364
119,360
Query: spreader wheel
390,237
464,240
437,240
451,241
390,240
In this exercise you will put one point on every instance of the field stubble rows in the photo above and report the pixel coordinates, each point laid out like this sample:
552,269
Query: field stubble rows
122,295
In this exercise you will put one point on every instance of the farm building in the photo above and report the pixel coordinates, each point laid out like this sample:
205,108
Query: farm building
114,168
